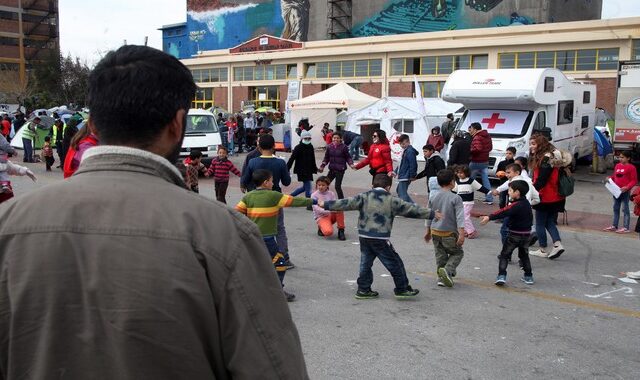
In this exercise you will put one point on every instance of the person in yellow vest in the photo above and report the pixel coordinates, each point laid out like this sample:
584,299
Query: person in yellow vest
57,134
28,136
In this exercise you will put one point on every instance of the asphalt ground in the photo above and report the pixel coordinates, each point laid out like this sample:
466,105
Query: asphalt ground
581,319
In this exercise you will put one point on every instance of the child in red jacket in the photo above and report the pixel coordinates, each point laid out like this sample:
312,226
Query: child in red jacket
626,177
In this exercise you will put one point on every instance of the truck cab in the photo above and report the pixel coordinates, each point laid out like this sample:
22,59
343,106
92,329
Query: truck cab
201,133
513,104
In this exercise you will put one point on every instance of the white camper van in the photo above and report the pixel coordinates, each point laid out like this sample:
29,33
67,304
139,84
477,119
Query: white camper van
511,104
201,133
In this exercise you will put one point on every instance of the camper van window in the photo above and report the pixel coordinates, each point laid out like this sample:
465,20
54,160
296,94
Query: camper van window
397,125
541,121
585,122
403,126
548,84
565,112
586,97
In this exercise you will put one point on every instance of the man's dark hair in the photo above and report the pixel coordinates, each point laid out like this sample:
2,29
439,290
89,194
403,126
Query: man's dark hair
523,160
337,133
267,142
520,186
627,153
450,116
195,154
47,138
381,180
134,92
477,126
512,150
445,177
514,167
403,137
429,147
260,175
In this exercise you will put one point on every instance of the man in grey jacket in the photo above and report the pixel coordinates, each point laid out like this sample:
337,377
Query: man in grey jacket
128,275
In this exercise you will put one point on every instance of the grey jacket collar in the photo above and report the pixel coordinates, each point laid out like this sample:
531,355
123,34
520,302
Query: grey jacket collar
122,158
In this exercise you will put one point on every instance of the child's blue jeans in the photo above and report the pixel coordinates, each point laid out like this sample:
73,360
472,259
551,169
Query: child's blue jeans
622,200
306,188
370,249
403,191
277,258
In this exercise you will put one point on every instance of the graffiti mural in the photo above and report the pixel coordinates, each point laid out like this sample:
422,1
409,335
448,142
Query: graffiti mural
414,16
215,24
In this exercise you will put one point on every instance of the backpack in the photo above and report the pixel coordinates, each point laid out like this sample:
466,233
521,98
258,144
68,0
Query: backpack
566,182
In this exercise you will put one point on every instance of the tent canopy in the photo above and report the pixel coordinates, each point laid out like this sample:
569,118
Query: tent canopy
324,106
339,96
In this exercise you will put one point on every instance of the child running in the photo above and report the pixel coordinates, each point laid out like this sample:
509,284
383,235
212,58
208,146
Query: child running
194,168
465,188
47,153
220,168
378,209
337,157
262,206
448,232
326,219
520,218
626,177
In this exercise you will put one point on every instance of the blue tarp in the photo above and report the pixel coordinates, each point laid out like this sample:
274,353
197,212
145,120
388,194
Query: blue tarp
603,145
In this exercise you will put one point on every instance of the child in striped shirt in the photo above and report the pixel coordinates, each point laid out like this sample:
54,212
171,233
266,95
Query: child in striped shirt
466,187
262,206
220,168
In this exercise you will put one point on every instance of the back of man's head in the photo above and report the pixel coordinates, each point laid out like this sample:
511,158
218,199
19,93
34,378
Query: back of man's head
267,142
476,126
382,180
450,116
445,177
135,92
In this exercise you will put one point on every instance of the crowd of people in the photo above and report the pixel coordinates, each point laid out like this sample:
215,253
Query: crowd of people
138,263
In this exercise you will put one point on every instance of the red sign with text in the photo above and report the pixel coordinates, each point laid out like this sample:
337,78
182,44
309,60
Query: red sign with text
265,43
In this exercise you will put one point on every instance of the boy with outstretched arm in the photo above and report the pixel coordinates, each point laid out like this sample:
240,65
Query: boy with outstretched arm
520,220
378,209
262,206
448,232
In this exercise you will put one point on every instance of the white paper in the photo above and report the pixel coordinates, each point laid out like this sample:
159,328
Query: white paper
613,188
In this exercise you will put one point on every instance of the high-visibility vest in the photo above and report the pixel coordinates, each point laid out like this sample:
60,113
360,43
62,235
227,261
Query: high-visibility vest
29,133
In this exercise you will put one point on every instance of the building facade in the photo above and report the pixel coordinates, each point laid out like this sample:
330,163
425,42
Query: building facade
387,65
222,24
28,33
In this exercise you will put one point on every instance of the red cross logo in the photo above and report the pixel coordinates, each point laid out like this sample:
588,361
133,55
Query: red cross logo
493,121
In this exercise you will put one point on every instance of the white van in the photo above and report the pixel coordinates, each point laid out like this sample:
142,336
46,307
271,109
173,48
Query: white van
511,104
201,133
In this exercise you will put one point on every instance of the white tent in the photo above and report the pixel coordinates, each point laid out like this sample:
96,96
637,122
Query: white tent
396,116
323,107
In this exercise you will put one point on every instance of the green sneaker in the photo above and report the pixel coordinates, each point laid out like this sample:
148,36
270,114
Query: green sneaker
366,295
444,277
409,293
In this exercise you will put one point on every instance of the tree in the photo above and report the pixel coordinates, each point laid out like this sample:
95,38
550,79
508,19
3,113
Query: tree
74,81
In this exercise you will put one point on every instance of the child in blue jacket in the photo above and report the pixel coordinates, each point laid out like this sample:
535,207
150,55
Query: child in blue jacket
408,168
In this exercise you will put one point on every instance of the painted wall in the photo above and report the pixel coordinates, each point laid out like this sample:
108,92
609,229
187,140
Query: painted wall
221,24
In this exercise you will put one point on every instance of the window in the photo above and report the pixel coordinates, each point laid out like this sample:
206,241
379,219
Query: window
344,69
586,60
608,59
541,121
549,84
635,50
396,66
565,112
348,68
248,73
431,89
335,69
585,122
566,60
545,59
310,71
412,66
203,98
362,68
429,66
479,61
292,71
445,64
507,61
323,70
265,96
237,74
526,60
375,67
462,62
586,97
402,125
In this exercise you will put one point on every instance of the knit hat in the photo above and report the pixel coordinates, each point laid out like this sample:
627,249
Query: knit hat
305,135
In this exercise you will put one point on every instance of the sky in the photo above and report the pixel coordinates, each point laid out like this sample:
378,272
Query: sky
89,29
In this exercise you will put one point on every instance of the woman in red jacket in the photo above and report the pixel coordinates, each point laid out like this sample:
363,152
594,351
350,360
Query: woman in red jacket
379,157
545,179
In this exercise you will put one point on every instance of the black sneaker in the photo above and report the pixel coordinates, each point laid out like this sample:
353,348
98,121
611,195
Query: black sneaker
341,234
366,295
289,265
289,296
320,232
410,292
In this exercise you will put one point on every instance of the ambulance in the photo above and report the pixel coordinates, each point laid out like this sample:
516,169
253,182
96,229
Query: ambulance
201,133
512,104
